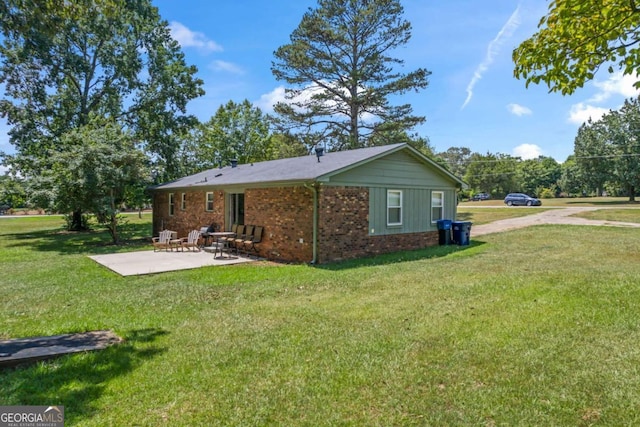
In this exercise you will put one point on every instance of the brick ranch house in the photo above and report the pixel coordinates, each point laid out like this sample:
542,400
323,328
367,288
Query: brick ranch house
343,205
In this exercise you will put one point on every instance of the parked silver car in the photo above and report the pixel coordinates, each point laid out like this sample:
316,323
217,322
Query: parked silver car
480,196
521,199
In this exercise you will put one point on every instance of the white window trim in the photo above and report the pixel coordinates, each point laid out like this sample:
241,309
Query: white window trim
394,224
183,201
206,201
172,204
433,221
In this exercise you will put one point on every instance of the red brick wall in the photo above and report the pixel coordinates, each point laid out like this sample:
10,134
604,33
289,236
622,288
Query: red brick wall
343,222
286,213
192,218
344,228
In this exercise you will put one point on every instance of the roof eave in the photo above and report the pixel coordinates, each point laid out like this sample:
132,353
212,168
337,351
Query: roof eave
224,186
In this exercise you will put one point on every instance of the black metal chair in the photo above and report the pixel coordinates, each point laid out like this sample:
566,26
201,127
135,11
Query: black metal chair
247,234
249,245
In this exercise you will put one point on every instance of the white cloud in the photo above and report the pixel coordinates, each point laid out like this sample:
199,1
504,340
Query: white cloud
188,38
616,84
227,67
582,112
268,100
527,151
519,110
492,51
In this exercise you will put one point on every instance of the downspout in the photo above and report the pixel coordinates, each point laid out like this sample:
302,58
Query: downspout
314,242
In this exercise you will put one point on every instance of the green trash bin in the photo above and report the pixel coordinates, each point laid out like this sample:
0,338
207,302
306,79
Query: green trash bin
461,232
444,231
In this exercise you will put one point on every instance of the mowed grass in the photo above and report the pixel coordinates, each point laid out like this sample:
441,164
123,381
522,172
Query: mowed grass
538,326
624,215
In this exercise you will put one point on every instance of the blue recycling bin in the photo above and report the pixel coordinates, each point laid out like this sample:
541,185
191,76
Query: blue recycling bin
444,231
461,232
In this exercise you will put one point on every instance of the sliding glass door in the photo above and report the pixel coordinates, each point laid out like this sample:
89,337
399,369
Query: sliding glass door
235,208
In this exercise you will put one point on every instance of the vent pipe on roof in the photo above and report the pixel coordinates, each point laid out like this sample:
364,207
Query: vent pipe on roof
319,152
234,163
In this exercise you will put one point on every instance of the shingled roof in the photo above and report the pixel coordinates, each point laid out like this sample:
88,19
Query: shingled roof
292,170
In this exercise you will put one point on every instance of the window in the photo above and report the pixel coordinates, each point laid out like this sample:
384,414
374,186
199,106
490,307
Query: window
394,207
183,201
171,204
209,202
437,205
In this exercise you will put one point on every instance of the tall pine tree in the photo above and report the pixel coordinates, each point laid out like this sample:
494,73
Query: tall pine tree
341,74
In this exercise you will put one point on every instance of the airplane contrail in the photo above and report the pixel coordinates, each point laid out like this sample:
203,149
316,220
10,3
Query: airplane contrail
492,50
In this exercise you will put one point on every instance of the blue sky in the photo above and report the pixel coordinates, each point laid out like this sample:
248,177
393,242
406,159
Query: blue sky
472,100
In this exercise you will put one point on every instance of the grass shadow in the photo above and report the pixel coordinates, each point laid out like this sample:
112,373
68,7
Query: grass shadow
77,381
91,242
401,256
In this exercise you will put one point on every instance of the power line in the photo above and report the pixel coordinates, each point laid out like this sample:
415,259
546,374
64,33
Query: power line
515,159
609,156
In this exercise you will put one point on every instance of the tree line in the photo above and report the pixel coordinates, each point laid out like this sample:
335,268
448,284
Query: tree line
96,95
605,159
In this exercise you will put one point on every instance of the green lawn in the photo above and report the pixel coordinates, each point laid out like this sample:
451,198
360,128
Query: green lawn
624,215
538,326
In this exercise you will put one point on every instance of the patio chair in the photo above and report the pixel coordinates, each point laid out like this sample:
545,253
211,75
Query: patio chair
238,242
234,230
191,241
249,245
163,241
231,240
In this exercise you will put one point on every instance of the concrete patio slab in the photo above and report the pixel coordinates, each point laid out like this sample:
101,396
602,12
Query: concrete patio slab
150,262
